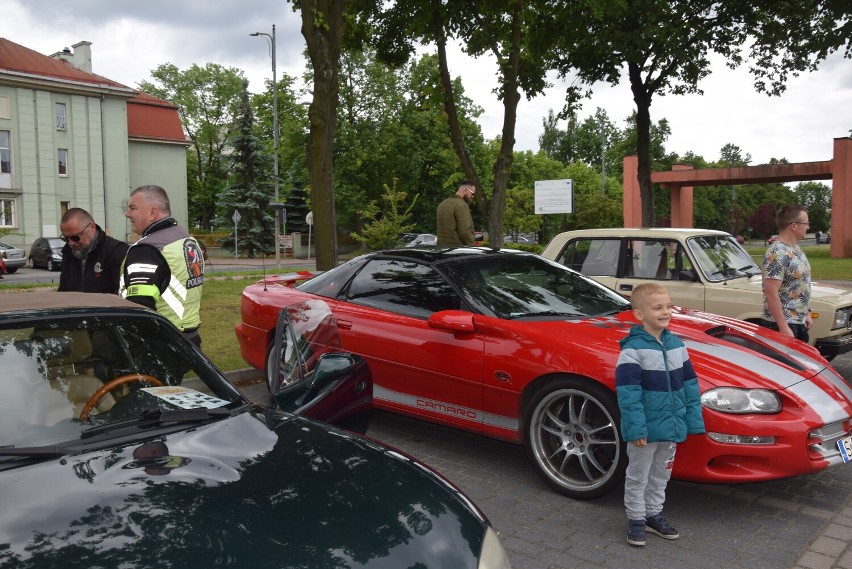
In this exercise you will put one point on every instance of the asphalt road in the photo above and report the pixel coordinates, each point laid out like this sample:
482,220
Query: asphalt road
799,522
802,522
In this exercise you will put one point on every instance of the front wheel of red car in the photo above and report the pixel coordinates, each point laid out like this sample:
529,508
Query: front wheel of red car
571,437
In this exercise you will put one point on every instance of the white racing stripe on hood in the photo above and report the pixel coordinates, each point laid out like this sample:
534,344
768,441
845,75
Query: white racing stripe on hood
831,376
768,369
823,404
820,402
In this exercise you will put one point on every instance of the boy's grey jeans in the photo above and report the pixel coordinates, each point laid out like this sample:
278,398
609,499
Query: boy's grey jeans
648,471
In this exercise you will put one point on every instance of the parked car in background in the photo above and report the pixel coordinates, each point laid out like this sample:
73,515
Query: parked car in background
122,445
521,238
703,269
772,239
513,346
46,252
13,257
423,240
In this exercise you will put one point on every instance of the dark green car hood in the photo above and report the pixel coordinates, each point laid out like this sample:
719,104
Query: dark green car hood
235,493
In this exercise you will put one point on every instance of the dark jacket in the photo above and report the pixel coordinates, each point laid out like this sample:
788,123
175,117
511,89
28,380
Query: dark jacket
101,269
657,389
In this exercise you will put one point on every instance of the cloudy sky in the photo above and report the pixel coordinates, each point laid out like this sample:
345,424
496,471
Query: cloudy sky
129,39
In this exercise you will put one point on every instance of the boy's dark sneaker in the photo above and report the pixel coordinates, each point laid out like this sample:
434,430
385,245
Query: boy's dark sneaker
661,526
636,532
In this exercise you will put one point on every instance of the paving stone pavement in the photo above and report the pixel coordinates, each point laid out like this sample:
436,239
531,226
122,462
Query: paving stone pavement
798,523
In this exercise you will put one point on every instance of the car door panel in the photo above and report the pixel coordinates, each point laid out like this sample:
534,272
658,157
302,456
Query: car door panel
416,369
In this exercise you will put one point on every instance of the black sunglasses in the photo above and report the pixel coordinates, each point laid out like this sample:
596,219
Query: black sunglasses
76,237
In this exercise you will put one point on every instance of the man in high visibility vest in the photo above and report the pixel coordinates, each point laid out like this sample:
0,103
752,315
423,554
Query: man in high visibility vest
164,269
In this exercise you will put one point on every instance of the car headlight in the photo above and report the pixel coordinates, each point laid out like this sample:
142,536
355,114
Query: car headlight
841,318
492,556
736,400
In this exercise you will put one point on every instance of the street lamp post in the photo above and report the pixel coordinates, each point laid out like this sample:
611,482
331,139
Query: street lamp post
271,39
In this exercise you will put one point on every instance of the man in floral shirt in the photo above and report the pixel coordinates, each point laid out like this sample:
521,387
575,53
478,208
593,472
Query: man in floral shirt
787,276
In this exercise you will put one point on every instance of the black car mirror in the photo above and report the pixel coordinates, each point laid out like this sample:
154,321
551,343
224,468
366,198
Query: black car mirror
329,368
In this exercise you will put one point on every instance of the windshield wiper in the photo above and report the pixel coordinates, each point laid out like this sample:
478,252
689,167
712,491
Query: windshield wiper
159,417
51,451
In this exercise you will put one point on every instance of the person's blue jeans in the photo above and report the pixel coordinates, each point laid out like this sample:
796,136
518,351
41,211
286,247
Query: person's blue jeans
800,332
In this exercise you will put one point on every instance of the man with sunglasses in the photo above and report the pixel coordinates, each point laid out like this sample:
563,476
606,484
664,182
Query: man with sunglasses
91,259
787,276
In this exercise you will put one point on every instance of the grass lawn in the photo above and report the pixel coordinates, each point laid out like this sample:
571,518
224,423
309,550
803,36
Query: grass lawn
823,267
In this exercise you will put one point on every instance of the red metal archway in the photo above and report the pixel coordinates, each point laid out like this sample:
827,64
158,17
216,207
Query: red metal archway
681,180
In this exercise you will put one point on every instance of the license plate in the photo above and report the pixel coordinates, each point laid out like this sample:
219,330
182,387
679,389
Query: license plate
845,446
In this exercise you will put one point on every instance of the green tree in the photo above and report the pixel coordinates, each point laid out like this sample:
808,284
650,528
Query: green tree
558,143
663,46
815,196
207,98
497,27
292,131
250,190
384,224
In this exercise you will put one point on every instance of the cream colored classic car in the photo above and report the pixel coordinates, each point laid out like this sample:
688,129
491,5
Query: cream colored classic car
703,269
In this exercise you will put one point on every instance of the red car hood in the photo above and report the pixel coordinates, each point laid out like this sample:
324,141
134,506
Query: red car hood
724,351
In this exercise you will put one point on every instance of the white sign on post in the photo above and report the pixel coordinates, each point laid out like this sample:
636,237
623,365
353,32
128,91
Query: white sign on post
554,196
309,219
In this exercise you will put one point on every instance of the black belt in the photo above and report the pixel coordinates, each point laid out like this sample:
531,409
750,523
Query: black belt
191,330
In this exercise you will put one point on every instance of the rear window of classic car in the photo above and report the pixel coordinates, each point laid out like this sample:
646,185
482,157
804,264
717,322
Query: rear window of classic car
594,257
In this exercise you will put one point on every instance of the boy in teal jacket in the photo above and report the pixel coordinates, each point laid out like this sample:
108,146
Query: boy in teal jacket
660,404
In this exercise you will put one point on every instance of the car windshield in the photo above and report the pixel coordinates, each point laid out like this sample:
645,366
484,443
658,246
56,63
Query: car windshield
528,286
721,258
65,375
56,243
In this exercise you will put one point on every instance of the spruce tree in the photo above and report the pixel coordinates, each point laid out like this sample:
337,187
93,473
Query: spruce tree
250,188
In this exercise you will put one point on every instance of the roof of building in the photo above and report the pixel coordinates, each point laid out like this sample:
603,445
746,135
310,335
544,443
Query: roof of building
148,118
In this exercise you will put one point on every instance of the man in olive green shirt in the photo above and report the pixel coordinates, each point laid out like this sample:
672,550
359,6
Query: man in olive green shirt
455,225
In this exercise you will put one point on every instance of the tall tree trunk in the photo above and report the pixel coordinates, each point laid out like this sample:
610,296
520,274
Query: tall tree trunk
511,97
322,27
456,135
642,98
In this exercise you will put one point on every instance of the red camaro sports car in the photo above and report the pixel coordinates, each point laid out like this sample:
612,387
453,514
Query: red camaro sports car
515,347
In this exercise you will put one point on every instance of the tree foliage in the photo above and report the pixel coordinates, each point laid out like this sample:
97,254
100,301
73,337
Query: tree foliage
384,224
207,98
250,189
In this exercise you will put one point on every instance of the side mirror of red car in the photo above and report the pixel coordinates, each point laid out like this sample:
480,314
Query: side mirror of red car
452,320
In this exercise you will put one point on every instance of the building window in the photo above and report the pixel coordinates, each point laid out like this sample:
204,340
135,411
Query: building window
7,213
62,158
5,152
5,108
5,159
60,116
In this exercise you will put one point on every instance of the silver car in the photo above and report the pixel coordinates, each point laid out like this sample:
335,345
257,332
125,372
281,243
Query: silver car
13,257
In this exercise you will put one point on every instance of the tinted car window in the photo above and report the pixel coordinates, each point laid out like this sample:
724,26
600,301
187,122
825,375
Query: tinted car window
520,286
405,287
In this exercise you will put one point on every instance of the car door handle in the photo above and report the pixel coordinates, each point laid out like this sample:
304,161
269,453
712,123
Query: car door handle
344,324
625,287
